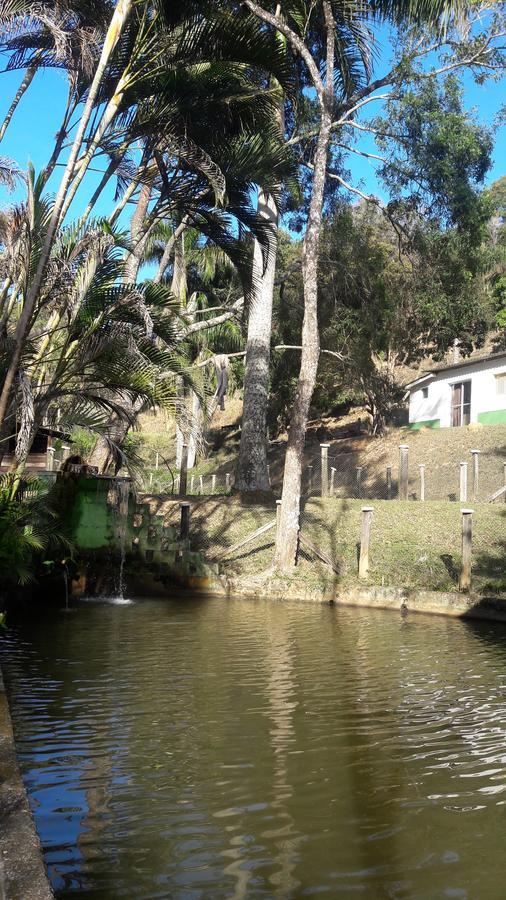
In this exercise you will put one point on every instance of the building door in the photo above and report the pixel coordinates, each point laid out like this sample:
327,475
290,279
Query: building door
461,403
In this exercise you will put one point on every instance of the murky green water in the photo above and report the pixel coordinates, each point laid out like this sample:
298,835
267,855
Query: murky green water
210,749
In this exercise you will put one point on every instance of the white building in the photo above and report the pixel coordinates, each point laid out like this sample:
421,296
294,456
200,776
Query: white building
472,390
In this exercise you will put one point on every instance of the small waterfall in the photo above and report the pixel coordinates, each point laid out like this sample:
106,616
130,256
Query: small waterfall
66,583
123,493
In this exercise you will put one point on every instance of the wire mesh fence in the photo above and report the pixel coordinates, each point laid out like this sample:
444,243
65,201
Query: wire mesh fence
409,545
207,484
340,476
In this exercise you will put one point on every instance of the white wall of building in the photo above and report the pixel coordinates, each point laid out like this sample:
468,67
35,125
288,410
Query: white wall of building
484,394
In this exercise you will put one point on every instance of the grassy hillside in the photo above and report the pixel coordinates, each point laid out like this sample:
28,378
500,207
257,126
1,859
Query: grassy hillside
441,451
414,545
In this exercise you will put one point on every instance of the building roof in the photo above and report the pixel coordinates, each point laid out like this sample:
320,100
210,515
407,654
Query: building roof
476,357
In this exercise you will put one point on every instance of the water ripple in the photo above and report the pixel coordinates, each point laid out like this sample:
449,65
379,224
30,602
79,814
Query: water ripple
209,749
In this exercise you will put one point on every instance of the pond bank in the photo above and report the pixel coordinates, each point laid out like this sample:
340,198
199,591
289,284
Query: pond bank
403,600
22,872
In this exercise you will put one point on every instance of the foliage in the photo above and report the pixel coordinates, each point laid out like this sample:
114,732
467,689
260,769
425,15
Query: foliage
383,306
438,154
83,440
29,528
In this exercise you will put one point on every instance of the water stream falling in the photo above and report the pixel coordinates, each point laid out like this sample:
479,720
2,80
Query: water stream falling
123,493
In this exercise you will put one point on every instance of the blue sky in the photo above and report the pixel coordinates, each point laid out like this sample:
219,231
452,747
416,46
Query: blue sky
31,133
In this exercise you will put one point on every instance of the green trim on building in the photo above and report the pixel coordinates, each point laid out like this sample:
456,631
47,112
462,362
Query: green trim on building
494,417
429,423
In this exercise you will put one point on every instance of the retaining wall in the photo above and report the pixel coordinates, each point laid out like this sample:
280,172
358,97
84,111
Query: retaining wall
22,872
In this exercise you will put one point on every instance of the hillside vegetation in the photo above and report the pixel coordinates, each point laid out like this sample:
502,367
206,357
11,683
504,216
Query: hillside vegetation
441,451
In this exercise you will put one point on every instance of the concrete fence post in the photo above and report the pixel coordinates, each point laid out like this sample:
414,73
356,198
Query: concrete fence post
268,474
324,451
421,469
365,540
157,460
65,452
184,469
50,459
213,483
278,515
476,472
359,482
389,482
463,482
192,481
403,471
467,543
310,479
201,484
185,521
227,481
332,478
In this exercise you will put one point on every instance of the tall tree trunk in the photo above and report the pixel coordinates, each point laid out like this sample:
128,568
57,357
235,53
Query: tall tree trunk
23,87
252,473
288,530
119,18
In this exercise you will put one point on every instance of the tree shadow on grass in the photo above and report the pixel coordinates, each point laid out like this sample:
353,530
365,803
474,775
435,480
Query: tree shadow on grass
449,564
323,530
491,567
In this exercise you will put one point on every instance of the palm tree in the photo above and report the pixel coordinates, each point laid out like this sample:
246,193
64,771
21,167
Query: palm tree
164,76
98,343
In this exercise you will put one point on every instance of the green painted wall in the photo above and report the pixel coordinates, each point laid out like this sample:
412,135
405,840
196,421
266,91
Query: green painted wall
429,423
91,520
494,417
98,530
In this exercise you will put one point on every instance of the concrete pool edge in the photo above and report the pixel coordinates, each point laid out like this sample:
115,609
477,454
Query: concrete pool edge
22,871
440,603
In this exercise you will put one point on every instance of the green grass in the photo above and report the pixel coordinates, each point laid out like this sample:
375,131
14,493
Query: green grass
413,545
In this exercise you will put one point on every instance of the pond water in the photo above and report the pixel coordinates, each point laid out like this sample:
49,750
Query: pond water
211,749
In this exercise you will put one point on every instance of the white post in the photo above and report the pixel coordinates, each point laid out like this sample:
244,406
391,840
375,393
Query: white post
365,540
227,481
310,479
476,472
278,513
421,469
50,459
463,482
324,450
192,479
213,484
201,484
467,542
403,471
332,476
156,460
